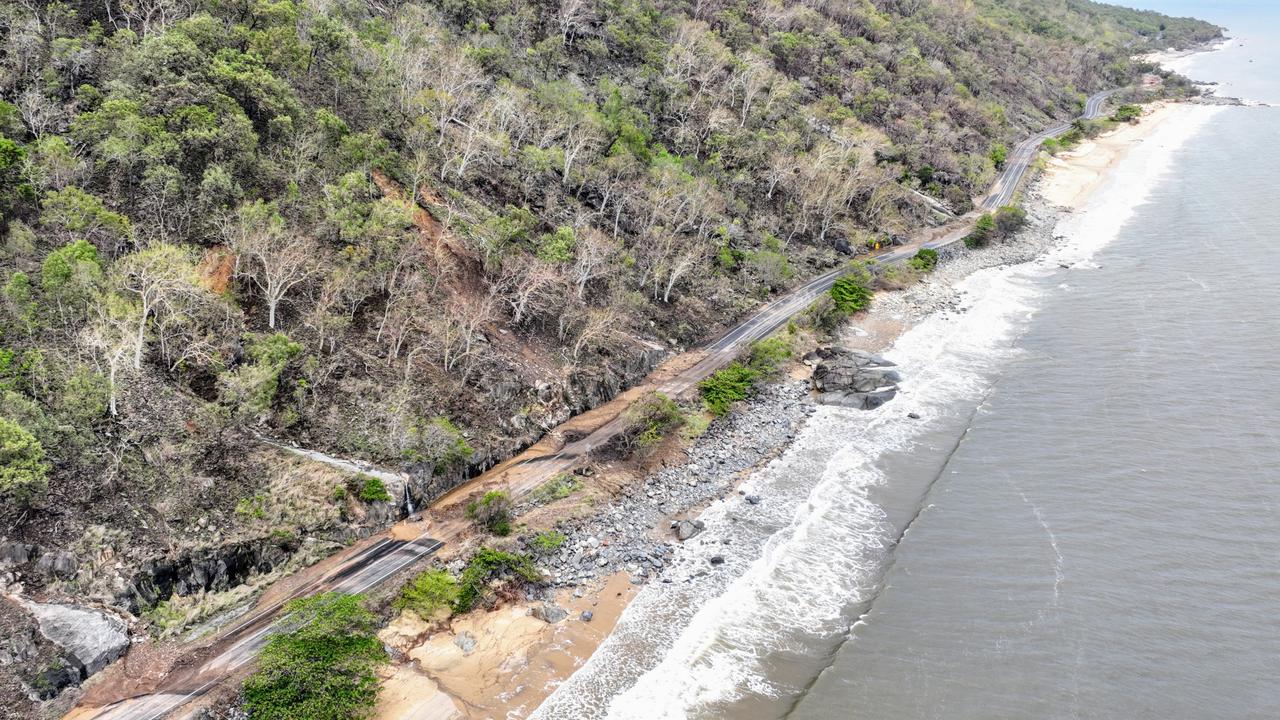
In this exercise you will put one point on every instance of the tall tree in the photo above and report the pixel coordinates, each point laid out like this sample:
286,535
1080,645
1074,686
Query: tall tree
269,254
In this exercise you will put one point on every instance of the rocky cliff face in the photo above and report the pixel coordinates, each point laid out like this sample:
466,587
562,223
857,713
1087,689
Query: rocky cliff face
212,570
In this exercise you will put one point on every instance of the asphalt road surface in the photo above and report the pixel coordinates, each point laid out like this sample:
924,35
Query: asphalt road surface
1016,164
370,563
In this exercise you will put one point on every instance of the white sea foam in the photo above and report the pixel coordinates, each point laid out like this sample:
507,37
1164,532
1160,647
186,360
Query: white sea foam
818,544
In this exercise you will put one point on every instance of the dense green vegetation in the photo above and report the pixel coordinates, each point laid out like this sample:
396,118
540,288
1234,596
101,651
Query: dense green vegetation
925,260
372,489
850,295
983,230
1127,113
322,666
488,566
22,467
428,593
727,386
735,381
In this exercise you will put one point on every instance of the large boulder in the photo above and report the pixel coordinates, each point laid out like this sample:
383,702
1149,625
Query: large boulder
61,564
859,400
852,378
93,638
549,612
686,529
12,553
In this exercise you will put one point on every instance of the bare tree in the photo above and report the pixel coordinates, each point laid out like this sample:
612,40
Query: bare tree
269,254
529,286
109,340
153,16
194,327
40,114
156,276
680,265
597,327
750,79
595,253
573,15
460,330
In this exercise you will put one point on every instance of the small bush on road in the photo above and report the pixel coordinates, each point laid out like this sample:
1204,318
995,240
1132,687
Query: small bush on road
492,512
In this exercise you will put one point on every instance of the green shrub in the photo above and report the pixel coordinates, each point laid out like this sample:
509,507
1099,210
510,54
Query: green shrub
1127,113
1009,219
557,247
492,512
322,666
650,419
251,388
850,295
486,566
728,258
372,489
982,231
998,154
925,260
71,272
557,488
767,356
23,472
429,592
727,386
548,541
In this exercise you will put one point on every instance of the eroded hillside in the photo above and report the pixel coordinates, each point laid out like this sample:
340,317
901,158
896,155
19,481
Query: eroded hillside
420,234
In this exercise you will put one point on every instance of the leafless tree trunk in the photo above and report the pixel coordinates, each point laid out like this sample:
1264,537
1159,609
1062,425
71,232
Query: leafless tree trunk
269,254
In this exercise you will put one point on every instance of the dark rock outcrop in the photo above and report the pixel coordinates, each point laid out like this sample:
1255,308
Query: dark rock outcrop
59,564
852,378
212,570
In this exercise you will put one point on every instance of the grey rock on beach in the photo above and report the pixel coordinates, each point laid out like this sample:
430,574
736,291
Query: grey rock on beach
852,378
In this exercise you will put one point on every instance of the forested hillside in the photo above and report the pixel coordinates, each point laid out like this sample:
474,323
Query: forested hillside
420,233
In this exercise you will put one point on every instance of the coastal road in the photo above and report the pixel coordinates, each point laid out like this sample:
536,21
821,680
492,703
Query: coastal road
1025,152
371,562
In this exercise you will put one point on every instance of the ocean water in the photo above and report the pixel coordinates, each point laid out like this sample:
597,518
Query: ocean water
1082,523
1103,542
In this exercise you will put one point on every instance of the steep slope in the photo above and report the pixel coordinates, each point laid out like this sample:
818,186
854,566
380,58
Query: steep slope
207,233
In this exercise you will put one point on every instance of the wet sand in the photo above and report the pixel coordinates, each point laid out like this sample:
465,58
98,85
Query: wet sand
516,662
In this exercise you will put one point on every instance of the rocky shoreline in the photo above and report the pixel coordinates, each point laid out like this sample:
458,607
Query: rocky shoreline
640,531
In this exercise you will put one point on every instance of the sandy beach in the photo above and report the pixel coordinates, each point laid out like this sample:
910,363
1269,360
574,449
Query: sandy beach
495,664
